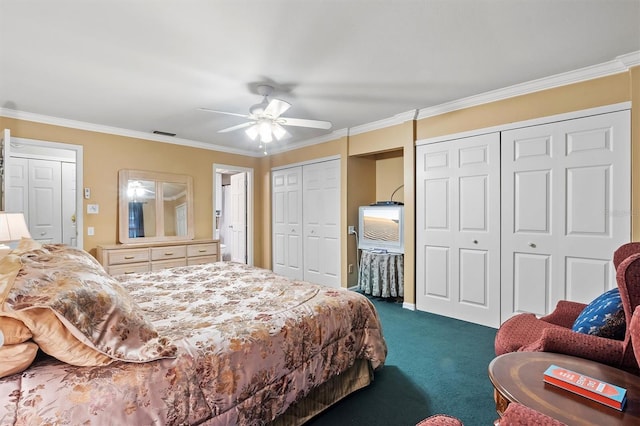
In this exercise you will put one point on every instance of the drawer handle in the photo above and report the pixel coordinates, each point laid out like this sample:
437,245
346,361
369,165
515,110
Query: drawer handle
202,250
129,272
168,253
129,257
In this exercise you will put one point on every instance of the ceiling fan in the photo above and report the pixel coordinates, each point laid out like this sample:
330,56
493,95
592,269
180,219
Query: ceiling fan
266,121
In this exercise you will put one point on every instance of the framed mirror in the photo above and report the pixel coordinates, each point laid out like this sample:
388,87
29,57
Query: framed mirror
154,207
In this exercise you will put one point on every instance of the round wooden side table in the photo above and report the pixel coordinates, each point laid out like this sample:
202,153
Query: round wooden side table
518,377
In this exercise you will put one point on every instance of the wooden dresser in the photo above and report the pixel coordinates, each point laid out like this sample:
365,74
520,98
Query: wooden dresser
129,258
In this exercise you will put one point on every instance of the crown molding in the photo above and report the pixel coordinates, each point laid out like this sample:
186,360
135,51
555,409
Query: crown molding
630,60
336,134
99,128
622,63
385,122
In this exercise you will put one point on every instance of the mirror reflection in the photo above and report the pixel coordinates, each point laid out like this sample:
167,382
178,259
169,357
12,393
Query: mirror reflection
155,206
142,216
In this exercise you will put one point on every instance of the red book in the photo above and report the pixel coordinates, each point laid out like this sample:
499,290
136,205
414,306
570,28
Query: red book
597,390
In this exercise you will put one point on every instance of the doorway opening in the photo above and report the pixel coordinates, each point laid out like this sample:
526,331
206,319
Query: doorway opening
233,218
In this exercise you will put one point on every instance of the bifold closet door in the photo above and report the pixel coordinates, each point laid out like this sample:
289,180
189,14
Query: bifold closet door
565,209
287,254
321,222
458,229
36,189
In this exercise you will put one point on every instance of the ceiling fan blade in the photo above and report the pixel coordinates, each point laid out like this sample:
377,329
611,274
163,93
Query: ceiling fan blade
301,122
236,127
276,108
224,112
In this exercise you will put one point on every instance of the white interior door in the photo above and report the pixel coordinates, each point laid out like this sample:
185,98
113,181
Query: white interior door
16,190
566,208
321,222
181,219
458,229
45,201
239,217
286,187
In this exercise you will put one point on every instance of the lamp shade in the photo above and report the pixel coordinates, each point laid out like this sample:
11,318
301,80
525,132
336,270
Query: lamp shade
13,227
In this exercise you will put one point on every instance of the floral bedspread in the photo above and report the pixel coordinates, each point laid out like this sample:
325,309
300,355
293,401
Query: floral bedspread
250,343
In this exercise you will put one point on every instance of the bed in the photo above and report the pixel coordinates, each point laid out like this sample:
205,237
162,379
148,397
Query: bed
216,344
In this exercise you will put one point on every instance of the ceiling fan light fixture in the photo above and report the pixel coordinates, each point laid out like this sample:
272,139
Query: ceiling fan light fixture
252,132
265,132
278,131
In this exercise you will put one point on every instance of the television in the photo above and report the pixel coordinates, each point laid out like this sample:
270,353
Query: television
381,228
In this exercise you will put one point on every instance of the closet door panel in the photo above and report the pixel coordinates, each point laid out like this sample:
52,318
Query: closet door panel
286,216
458,228
17,196
533,273
321,222
45,194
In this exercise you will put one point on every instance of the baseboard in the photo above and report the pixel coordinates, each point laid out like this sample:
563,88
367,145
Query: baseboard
410,306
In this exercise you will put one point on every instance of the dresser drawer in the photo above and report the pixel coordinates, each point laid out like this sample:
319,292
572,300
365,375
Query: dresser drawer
117,257
128,268
163,264
199,260
202,250
169,252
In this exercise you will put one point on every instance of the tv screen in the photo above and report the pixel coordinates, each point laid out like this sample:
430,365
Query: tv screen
381,228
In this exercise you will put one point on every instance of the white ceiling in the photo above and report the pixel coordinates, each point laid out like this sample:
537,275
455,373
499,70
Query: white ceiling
149,65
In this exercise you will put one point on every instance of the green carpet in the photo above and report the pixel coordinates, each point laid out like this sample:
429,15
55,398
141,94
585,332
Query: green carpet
435,365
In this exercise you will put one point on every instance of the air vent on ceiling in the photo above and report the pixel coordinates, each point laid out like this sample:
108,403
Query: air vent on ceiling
159,132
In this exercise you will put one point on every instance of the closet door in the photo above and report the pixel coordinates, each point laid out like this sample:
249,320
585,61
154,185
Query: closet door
45,200
321,221
286,203
35,187
566,208
17,186
239,217
458,229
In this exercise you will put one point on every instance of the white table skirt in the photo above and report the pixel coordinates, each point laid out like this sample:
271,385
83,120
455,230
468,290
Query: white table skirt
381,274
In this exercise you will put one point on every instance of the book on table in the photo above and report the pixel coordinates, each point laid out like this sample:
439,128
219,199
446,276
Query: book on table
589,387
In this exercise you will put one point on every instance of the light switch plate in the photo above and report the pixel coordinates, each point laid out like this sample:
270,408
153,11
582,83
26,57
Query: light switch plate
92,209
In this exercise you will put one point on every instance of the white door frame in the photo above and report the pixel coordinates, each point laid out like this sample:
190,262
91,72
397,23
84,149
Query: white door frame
226,168
78,149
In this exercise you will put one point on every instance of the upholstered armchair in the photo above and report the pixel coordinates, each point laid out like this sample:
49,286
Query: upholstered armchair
634,329
515,415
554,333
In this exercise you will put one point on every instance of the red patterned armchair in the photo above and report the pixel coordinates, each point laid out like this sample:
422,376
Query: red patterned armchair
553,333
515,415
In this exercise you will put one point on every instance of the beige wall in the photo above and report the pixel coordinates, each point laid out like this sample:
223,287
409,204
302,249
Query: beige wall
389,176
